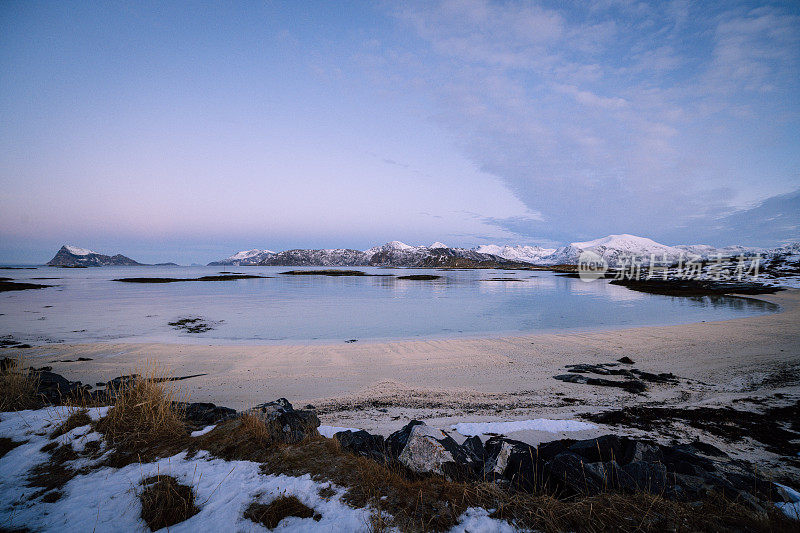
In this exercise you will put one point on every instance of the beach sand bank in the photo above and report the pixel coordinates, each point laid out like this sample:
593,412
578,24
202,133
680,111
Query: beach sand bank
380,386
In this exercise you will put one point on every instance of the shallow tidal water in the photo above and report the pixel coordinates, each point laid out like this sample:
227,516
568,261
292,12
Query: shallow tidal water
85,305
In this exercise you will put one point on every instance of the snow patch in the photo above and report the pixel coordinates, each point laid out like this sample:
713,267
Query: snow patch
203,431
470,429
330,431
107,499
477,520
246,254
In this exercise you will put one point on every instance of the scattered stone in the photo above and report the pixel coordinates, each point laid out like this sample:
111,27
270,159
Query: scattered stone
350,341
632,386
626,360
192,325
777,428
420,277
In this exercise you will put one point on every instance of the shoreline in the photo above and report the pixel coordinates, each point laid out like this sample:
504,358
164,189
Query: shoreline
306,369
748,363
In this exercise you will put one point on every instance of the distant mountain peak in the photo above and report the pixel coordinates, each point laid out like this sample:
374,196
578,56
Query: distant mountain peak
69,255
75,250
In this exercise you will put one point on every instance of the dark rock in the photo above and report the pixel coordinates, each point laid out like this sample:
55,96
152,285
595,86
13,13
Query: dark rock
287,424
474,446
633,386
626,360
567,475
363,444
510,462
205,414
605,448
54,388
123,381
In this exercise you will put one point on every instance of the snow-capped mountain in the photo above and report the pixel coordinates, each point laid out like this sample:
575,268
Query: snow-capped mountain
394,253
74,256
527,254
783,262
614,249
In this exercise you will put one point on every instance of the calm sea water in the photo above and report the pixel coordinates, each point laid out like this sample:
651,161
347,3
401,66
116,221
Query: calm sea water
85,305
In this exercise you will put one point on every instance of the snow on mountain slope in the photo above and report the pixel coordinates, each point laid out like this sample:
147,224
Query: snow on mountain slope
74,250
393,246
708,251
615,249
246,254
528,254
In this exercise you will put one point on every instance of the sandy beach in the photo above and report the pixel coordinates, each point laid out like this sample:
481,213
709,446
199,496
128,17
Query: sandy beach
378,385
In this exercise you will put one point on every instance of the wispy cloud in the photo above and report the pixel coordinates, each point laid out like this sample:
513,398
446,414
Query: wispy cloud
622,117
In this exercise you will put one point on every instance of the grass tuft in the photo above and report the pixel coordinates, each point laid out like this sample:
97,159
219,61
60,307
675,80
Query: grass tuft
165,502
18,387
75,420
270,515
146,411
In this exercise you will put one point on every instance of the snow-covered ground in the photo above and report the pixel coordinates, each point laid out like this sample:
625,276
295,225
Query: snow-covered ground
469,429
107,499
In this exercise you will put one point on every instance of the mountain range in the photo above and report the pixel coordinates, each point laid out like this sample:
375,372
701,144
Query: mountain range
614,249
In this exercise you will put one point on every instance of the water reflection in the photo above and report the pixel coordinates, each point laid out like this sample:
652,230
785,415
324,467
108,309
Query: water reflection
88,306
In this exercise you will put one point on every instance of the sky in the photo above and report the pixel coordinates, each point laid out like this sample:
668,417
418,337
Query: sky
188,131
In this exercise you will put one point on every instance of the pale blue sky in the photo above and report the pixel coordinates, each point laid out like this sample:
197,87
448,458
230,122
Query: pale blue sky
187,131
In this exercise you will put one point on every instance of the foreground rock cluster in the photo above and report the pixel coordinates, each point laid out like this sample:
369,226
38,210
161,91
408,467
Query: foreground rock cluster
566,468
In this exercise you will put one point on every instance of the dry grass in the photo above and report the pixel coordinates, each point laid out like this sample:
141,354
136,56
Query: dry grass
165,502
54,474
17,387
6,445
435,504
144,412
270,515
74,420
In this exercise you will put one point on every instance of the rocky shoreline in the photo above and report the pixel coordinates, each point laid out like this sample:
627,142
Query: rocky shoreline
565,468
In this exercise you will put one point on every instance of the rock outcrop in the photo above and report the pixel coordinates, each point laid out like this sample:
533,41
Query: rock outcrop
285,423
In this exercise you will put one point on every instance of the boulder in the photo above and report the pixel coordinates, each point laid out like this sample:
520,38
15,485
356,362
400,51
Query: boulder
54,388
205,414
426,450
286,424
510,462
363,444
